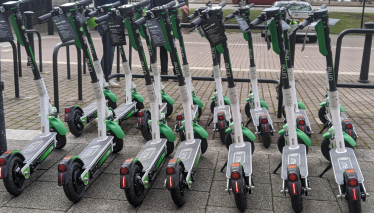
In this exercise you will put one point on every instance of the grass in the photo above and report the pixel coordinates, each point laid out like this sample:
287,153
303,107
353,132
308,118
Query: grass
347,20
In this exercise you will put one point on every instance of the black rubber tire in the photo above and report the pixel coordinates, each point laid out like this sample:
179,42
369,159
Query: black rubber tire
212,105
204,143
282,142
61,139
266,139
111,103
247,110
15,183
228,142
322,114
119,142
355,206
135,196
222,135
241,199
325,148
312,39
169,108
169,145
283,112
146,133
180,194
139,106
74,188
76,127
199,111
182,136
297,203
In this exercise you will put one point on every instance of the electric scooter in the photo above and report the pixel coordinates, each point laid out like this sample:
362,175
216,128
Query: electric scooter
75,172
342,158
239,139
17,166
137,173
256,109
292,143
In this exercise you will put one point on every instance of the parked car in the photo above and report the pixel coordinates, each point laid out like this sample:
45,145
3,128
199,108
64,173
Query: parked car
299,10
256,2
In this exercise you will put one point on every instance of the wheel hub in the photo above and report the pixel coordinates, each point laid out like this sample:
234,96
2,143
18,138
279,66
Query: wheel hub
77,182
17,174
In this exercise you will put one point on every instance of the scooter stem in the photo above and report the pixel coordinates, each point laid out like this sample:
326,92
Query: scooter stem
45,107
129,83
254,84
336,121
218,82
157,82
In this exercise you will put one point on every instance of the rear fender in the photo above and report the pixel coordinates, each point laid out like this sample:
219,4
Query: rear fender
352,192
264,127
294,187
67,161
172,179
143,121
115,128
125,180
237,185
7,156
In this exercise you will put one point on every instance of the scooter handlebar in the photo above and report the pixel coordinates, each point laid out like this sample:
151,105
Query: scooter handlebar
102,18
229,16
117,4
140,21
181,4
251,5
304,24
255,22
93,13
324,6
195,23
44,18
222,4
192,16
143,3
85,2
170,4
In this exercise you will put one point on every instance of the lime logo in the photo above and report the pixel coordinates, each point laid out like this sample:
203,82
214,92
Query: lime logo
137,31
23,27
171,33
81,29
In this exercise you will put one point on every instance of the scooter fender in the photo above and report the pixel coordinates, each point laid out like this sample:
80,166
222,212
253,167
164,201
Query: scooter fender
57,125
110,94
7,156
294,187
301,135
300,105
67,161
167,131
347,138
126,179
72,108
91,23
137,96
340,106
172,180
167,98
351,191
246,132
264,127
199,130
142,121
115,128
263,104
226,100
197,101
237,185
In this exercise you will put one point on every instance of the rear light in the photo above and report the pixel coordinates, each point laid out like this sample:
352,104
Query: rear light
1,172
302,122
264,120
123,182
354,194
61,179
353,182
236,187
2,161
293,188
61,168
170,181
67,110
170,170
140,114
221,117
179,117
235,175
292,177
124,170
348,126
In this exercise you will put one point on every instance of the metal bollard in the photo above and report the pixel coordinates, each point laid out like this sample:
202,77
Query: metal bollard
365,64
3,144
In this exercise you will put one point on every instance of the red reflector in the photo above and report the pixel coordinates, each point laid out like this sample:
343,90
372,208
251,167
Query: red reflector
140,114
67,110
236,187
170,170
292,177
349,170
352,182
301,122
235,175
61,180
124,170
348,126
170,181
66,117
179,117
2,161
1,172
221,117
293,188
123,182
354,194
264,120
61,168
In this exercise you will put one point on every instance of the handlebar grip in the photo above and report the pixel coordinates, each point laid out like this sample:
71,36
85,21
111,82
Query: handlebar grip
181,4
304,24
143,3
251,5
93,14
255,22
287,6
117,4
170,4
102,18
324,6
140,21
196,22
44,18
229,16
85,2
222,4
192,16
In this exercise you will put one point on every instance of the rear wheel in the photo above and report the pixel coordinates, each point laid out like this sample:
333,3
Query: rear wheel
15,182
228,141
118,142
74,188
266,139
222,134
355,206
135,193
213,104
241,198
322,114
297,203
325,148
179,194
169,108
74,122
282,142
111,103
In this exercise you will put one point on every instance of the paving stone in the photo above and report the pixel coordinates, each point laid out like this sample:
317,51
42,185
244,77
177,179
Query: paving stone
26,210
101,205
283,204
106,187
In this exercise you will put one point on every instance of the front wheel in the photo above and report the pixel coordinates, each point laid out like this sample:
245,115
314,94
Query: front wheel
61,140
169,145
169,108
325,148
282,142
111,103
322,114
74,122
135,193
15,182
118,142
204,143
266,139
74,188
297,203
247,110
229,141
179,194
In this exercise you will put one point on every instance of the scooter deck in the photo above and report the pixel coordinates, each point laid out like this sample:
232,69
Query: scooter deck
90,109
95,150
294,156
301,112
36,147
148,155
224,108
188,153
123,110
342,161
256,114
242,155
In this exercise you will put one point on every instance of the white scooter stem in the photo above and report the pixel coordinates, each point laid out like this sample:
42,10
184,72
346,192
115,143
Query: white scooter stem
102,110
218,82
187,110
99,72
291,78
237,117
129,83
45,106
290,116
155,113
157,82
254,84
187,76
336,121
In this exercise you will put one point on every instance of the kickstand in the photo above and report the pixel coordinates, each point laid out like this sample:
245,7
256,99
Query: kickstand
279,166
324,127
210,121
223,167
249,121
324,171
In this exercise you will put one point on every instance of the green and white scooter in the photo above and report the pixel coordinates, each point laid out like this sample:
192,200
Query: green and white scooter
342,158
256,108
17,166
75,172
136,174
292,143
239,139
